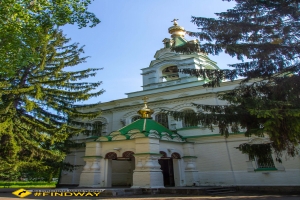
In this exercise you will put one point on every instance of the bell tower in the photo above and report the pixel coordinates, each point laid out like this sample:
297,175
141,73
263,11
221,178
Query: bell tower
164,72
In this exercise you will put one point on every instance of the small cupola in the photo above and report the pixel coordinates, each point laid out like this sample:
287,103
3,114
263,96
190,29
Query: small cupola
145,112
176,30
167,43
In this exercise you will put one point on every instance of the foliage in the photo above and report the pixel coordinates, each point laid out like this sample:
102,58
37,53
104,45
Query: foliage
25,25
263,150
267,100
27,184
38,108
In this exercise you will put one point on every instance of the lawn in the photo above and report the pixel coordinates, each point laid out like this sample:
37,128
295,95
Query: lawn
27,184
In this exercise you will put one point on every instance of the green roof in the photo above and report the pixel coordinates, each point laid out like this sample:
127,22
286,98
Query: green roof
179,41
142,128
150,124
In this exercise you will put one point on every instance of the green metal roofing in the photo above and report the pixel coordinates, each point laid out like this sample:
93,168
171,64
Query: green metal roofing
149,124
143,128
179,41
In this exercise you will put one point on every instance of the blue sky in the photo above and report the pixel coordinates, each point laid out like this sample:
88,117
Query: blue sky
130,33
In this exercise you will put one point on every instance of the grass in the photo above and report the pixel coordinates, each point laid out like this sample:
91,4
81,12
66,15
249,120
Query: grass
27,184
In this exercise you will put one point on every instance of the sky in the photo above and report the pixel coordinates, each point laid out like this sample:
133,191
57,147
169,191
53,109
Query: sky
130,33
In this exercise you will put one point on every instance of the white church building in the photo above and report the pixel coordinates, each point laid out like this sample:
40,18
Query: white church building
140,147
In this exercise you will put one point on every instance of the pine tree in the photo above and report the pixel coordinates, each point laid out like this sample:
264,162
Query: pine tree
267,101
23,24
38,111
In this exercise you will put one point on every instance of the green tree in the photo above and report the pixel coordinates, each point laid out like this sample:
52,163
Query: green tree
25,25
38,108
267,101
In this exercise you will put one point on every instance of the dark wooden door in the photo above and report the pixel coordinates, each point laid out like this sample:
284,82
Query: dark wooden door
168,171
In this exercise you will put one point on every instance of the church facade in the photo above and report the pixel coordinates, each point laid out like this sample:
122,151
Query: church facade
141,147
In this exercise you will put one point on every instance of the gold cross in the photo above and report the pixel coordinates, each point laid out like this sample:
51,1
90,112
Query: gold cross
175,22
145,99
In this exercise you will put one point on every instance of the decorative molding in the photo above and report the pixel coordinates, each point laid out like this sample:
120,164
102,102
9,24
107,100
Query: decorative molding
184,106
160,103
183,95
165,63
259,140
102,119
189,157
91,157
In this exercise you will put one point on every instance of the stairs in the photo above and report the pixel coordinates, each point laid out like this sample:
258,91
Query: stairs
122,192
220,190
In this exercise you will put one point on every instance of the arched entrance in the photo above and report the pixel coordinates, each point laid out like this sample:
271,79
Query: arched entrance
111,155
119,170
167,168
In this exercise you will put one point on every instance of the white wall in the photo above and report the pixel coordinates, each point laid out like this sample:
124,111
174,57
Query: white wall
219,163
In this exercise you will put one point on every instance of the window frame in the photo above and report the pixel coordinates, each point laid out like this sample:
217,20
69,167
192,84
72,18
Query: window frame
162,121
136,117
183,123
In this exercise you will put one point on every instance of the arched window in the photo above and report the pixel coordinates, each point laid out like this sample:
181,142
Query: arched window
111,155
163,154
175,155
98,128
162,118
137,117
128,154
170,73
189,119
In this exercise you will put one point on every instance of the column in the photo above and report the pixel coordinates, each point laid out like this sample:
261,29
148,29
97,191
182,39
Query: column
147,173
190,171
178,175
108,173
90,176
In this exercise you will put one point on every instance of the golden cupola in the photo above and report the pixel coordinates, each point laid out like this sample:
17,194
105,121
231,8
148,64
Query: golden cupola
176,30
145,112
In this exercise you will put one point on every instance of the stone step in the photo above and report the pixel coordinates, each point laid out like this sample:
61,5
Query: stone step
225,192
220,190
121,192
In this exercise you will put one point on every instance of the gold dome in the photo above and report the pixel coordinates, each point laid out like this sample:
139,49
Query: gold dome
145,112
176,30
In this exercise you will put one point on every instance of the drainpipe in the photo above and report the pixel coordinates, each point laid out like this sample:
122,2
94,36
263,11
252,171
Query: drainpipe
59,176
230,162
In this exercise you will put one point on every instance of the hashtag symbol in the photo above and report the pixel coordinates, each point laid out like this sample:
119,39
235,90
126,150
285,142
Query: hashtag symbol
37,194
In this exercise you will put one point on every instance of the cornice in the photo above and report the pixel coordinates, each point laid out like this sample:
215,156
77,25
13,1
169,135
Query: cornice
208,91
160,103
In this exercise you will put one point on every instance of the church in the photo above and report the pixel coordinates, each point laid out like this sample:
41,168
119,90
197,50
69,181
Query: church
141,147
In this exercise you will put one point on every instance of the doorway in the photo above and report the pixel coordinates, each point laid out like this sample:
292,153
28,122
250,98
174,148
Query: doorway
166,165
119,170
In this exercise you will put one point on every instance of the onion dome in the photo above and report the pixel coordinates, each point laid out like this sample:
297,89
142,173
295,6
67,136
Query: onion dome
145,112
176,30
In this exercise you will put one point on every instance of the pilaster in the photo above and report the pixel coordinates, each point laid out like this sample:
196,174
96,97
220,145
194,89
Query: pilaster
91,175
147,173
190,171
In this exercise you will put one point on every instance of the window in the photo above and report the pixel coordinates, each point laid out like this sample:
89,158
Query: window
133,119
170,73
189,119
162,118
98,128
167,44
265,163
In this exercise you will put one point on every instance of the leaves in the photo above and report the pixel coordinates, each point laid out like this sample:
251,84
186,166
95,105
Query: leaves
267,101
25,26
38,107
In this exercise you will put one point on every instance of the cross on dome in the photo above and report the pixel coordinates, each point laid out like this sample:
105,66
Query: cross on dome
145,99
176,30
175,22
145,112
